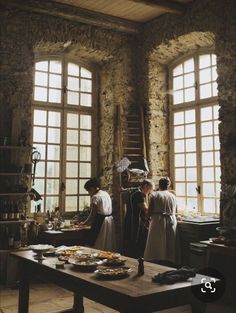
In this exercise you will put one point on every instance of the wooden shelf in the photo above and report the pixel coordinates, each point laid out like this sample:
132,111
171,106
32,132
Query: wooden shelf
15,174
17,221
16,148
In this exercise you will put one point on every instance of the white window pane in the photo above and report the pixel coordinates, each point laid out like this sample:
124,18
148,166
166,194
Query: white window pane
218,189
55,66
73,98
71,186
84,202
207,143
207,158
208,174
42,66
73,69
71,169
179,160
85,99
52,186
71,204
189,94
72,136
40,169
40,94
86,85
178,97
39,134
190,145
191,174
205,91
208,189
73,84
54,95
178,118
41,149
85,137
181,203
191,159
179,146
51,203
53,169
191,189
85,170
192,204
209,205
205,76
216,127
85,73
214,73
41,79
216,111
72,120
178,83
85,121
216,143
190,116
53,152
217,173
180,189
213,59
180,174
178,132
214,89
85,154
190,130
39,185
40,117
206,114
189,66
54,135
206,128
178,70
54,119
55,81
204,60
71,153
217,158
81,186
189,80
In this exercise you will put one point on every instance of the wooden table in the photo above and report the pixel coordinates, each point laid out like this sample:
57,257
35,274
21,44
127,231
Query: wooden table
69,237
132,294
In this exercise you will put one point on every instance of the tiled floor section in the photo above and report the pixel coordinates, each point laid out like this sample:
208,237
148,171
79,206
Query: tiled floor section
48,298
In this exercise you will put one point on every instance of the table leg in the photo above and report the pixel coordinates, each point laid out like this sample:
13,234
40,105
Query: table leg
78,306
198,307
23,303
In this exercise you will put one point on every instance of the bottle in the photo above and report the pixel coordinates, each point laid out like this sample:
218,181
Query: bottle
5,211
16,212
17,240
11,211
140,266
10,241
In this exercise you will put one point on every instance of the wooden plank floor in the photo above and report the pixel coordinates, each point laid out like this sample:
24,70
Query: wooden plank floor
48,298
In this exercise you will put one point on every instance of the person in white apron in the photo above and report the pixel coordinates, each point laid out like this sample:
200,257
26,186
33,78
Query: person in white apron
102,233
162,234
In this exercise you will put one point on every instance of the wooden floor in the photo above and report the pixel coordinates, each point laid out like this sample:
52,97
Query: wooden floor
48,298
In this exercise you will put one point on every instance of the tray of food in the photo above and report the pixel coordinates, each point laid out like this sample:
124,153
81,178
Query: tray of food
113,273
64,258
41,248
106,255
115,262
88,265
68,250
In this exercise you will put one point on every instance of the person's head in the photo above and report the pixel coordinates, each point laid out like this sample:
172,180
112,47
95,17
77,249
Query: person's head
92,186
164,183
147,186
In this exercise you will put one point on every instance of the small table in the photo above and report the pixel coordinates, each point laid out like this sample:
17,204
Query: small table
67,237
132,294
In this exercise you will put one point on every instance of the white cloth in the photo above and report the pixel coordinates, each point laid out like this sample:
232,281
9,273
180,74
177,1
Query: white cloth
161,240
106,237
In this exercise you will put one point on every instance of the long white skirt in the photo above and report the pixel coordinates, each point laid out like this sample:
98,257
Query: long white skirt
106,238
161,240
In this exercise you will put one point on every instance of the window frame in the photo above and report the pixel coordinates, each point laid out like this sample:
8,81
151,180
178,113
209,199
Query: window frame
64,108
197,104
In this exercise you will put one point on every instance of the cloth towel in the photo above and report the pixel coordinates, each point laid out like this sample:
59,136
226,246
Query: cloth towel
174,276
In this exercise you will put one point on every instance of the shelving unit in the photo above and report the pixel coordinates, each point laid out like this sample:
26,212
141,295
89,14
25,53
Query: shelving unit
17,221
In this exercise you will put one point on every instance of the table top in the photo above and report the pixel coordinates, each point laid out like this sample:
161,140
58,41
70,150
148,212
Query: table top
218,245
132,286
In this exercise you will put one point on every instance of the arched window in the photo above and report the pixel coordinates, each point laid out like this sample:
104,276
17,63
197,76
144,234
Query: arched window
195,165
63,123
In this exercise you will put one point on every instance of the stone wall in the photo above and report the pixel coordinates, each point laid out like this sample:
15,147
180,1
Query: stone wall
206,24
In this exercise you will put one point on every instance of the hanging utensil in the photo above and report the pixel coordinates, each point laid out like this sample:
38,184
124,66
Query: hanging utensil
35,158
